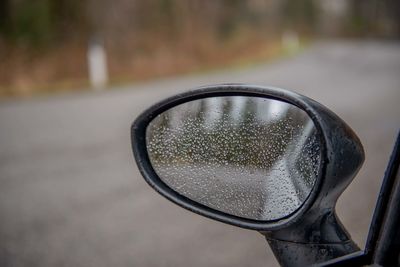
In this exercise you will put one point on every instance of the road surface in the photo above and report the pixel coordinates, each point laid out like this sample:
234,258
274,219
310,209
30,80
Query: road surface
71,195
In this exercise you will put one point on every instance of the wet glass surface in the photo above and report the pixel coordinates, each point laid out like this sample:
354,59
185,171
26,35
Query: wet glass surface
251,157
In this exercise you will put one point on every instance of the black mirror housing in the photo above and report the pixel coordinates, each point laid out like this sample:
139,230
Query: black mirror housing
312,232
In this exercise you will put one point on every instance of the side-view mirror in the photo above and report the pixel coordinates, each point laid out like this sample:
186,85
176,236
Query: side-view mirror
259,158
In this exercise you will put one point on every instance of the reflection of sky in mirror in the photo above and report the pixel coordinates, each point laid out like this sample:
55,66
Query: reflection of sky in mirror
216,105
273,110
252,157
237,108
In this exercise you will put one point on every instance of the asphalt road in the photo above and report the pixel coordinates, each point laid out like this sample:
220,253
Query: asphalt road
71,195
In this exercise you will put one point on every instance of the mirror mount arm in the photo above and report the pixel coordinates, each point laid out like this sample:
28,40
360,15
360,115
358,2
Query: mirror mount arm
314,239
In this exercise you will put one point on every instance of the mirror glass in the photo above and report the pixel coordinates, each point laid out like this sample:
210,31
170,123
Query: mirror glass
251,157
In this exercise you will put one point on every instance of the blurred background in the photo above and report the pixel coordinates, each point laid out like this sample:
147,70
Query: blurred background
45,45
74,74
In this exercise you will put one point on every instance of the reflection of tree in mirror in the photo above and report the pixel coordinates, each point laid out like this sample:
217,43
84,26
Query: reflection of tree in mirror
246,140
242,136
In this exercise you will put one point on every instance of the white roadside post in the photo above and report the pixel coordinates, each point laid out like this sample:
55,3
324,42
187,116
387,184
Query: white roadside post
97,63
290,41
